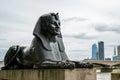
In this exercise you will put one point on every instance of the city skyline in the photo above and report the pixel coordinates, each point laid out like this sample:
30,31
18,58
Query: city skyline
98,51
83,22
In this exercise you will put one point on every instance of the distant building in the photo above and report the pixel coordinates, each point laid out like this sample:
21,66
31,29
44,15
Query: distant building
101,50
118,49
94,52
97,56
108,59
115,55
115,58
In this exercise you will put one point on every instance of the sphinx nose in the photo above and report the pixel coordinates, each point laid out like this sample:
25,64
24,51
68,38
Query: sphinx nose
57,25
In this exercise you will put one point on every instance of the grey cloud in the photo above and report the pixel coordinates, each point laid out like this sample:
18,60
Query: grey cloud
5,29
82,36
108,28
2,39
111,45
76,19
14,21
78,50
13,17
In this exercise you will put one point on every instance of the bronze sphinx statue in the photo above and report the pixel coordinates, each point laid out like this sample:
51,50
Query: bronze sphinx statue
46,49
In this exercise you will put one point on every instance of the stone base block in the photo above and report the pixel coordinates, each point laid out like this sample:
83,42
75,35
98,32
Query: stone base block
115,76
48,74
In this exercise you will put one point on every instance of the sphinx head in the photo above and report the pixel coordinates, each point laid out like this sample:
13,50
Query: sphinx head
50,24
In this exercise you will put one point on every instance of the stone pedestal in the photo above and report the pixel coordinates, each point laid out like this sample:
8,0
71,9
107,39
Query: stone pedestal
48,74
115,76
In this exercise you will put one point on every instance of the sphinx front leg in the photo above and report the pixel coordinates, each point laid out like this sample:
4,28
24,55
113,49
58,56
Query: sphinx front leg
51,64
79,64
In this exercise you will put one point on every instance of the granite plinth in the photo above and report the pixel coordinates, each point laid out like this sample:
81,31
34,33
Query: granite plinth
48,74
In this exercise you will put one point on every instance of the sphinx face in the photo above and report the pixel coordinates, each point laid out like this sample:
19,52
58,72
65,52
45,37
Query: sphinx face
54,26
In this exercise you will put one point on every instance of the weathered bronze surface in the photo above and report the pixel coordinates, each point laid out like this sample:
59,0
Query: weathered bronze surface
46,49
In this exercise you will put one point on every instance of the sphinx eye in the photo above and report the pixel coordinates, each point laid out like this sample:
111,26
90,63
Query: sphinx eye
59,23
55,24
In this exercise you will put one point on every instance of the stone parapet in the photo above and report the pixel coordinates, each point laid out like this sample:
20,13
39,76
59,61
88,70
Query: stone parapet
48,74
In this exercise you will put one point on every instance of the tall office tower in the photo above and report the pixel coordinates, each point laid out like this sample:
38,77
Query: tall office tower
94,51
118,49
101,50
114,51
114,55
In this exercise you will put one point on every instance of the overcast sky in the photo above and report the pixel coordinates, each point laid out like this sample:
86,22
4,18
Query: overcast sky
84,22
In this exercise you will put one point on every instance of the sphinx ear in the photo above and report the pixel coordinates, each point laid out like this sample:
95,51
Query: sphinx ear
57,16
57,13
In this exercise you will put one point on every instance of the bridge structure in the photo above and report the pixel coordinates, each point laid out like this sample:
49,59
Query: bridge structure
104,63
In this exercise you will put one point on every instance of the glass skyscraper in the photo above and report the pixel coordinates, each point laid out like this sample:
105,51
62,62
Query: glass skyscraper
115,55
118,49
94,51
101,50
